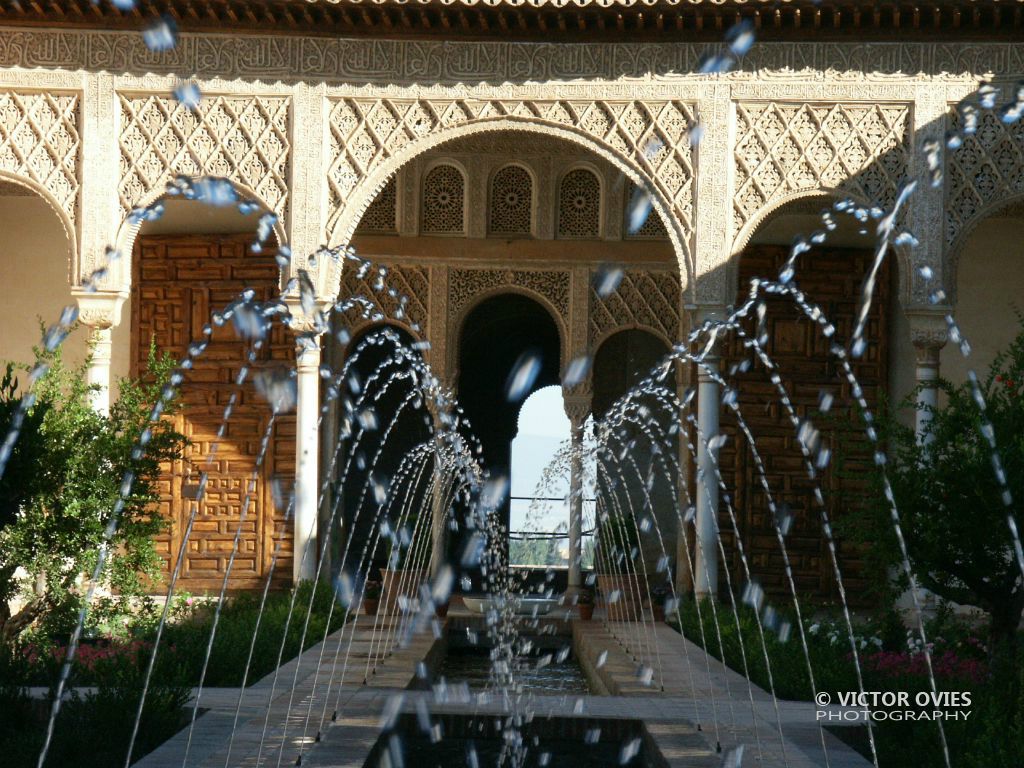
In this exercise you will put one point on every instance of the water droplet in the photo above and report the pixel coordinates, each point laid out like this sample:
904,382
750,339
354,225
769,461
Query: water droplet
740,37
607,280
576,371
215,191
188,95
161,35
278,387
524,374
639,209
734,758
629,751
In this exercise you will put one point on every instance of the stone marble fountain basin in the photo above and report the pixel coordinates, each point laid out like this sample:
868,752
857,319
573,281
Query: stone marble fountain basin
526,605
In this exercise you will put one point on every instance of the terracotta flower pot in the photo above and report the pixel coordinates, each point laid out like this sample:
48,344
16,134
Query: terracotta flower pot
627,586
658,609
370,606
441,610
586,611
399,582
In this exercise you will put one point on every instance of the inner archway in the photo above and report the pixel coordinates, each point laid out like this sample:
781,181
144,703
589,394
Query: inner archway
34,264
188,266
831,274
498,335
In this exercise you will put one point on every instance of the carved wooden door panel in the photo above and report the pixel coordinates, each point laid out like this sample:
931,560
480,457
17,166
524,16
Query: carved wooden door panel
180,281
832,278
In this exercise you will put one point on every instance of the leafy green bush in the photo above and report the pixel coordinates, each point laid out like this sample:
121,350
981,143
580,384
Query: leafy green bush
950,504
58,495
93,729
183,646
891,660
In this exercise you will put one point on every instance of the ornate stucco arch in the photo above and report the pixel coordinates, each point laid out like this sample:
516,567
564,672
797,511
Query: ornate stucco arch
65,221
458,321
655,332
373,138
955,250
128,230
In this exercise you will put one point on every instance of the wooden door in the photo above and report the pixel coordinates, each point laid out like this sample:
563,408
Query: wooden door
180,281
831,278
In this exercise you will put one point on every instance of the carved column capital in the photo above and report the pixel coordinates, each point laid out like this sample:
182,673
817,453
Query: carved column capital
709,338
929,333
577,407
308,323
99,309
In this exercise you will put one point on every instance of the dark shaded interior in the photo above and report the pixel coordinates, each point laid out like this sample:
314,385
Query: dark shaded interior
379,385
494,336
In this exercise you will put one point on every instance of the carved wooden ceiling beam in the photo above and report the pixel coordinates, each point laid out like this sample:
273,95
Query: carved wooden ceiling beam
535,20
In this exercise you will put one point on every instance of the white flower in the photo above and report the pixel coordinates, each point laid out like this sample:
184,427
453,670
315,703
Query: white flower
814,629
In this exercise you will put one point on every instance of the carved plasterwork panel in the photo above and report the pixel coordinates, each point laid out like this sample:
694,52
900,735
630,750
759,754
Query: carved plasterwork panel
444,201
579,205
291,58
365,133
465,285
644,299
511,202
381,216
985,172
401,295
243,138
784,149
39,140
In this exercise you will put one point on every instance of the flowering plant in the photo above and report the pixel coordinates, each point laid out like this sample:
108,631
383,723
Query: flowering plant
950,488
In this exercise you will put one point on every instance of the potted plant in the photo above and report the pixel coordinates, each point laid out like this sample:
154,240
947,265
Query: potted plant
618,545
397,578
585,604
371,597
441,609
659,594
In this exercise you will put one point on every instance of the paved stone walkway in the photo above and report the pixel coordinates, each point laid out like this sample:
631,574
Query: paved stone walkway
703,705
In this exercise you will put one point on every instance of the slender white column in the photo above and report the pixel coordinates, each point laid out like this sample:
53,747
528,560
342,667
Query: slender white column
577,408
684,560
928,334
576,509
926,375
307,364
706,576
98,375
100,311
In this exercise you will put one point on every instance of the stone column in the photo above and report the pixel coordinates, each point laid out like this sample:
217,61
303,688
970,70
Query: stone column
928,334
684,558
100,311
307,450
577,408
708,401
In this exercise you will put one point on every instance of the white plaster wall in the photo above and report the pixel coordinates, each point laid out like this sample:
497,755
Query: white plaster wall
34,253
990,286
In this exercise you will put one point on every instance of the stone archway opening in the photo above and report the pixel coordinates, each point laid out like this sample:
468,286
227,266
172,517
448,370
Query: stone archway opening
501,235
34,265
831,275
622,361
989,286
499,337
